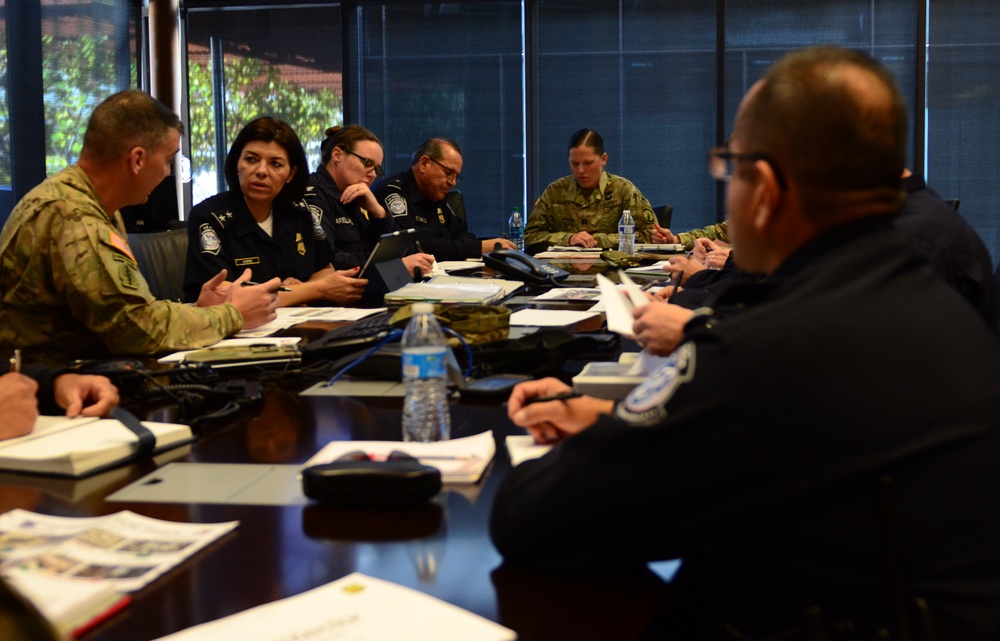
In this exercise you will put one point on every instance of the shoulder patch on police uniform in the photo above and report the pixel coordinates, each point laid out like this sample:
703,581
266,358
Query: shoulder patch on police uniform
396,204
317,215
210,243
646,404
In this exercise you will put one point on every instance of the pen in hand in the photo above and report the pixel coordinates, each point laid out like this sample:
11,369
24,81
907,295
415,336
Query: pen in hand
250,283
561,396
15,362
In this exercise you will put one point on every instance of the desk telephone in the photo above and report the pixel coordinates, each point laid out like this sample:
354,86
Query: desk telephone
520,266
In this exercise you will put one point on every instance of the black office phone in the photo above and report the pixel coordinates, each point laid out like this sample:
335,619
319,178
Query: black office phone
520,266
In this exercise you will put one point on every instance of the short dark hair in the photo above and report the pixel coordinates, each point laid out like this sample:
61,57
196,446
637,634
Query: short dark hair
126,120
346,137
587,137
268,129
432,148
830,129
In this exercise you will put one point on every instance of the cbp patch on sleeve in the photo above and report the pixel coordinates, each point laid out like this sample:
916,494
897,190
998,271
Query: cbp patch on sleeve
318,232
396,204
210,243
646,405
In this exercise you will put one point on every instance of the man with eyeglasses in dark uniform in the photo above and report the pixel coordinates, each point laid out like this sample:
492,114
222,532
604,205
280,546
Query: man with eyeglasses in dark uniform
824,461
422,197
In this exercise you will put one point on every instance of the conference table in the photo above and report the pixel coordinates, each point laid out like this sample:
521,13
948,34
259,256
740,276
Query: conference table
442,548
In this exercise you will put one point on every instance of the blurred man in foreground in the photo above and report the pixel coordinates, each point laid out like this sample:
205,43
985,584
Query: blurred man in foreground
783,453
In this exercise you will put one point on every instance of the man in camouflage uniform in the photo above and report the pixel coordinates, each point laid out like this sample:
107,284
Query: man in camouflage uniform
564,210
69,285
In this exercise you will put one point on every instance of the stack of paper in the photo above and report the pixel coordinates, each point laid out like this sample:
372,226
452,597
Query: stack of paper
77,570
434,292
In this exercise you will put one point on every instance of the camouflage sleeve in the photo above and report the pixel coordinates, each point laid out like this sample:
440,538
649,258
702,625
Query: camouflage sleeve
642,212
541,224
718,232
94,272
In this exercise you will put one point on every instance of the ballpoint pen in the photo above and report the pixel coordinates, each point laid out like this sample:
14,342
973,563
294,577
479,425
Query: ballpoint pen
562,396
15,362
250,283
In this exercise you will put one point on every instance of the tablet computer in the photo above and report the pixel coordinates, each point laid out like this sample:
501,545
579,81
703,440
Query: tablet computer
389,246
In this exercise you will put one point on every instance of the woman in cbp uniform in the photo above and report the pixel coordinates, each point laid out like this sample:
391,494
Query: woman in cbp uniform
341,201
263,223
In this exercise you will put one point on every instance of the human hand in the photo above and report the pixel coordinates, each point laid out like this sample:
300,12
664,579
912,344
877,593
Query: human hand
20,406
663,235
362,192
716,259
553,420
424,261
582,239
340,286
288,282
255,303
686,266
85,394
215,291
490,244
659,327
702,247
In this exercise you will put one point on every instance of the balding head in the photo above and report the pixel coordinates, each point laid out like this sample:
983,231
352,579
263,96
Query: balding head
834,122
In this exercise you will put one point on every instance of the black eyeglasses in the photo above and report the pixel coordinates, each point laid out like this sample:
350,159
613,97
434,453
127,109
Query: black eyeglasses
449,173
722,162
368,163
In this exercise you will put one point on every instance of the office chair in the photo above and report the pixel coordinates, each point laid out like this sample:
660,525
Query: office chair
663,214
161,257
456,203
954,203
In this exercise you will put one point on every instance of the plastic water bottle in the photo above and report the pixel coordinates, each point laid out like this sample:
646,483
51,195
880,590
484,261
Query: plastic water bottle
516,229
626,234
426,416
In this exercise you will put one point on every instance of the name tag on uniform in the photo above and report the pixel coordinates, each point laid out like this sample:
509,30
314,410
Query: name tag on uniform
243,262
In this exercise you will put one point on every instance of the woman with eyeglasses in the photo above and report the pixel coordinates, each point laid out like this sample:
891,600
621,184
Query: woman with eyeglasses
583,209
262,223
341,201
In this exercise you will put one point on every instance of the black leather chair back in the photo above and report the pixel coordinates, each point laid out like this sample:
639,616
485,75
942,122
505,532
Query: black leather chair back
161,257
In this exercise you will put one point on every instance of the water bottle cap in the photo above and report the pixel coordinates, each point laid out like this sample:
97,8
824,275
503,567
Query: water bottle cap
422,308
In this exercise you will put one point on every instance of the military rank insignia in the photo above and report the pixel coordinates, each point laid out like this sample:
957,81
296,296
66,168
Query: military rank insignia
300,244
440,216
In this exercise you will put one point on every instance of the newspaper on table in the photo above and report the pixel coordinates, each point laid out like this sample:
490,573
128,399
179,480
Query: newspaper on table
125,549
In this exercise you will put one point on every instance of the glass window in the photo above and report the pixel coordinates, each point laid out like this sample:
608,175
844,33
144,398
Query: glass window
452,70
963,110
87,54
245,63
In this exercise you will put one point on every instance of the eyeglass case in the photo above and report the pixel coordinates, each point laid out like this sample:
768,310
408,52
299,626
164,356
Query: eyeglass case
354,480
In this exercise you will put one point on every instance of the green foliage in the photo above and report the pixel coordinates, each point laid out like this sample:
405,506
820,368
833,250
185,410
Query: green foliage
79,72
254,89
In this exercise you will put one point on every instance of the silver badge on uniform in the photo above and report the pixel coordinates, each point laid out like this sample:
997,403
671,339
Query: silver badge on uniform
210,243
396,204
318,232
646,404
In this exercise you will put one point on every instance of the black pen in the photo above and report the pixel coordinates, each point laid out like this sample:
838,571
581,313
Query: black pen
420,248
677,281
250,283
561,396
